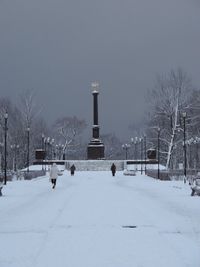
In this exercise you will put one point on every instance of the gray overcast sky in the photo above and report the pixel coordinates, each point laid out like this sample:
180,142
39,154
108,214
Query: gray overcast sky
59,47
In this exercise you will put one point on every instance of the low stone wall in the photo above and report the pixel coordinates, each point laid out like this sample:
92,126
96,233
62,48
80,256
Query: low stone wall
95,165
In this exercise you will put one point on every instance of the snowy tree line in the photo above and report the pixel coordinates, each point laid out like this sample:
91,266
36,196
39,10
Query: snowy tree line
21,117
172,98
62,140
25,122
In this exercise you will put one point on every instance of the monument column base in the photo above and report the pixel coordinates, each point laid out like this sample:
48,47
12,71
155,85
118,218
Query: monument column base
95,150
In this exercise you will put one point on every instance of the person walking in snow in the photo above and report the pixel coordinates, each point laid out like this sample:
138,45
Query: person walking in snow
113,169
72,169
53,174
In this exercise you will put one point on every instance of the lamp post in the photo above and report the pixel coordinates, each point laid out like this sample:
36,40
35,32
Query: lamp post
28,145
59,149
134,143
16,157
64,152
141,153
52,148
158,153
47,147
42,142
56,151
1,151
126,147
43,151
145,154
136,150
5,146
184,145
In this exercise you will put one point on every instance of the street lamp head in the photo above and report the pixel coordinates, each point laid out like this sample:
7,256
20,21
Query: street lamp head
95,87
184,114
6,115
28,129
51,141
125,146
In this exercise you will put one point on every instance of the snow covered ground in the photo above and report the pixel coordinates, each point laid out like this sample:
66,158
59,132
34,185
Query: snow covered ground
96,220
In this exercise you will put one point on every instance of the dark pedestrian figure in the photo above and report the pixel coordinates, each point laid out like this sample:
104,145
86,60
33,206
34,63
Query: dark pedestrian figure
113,169
72,169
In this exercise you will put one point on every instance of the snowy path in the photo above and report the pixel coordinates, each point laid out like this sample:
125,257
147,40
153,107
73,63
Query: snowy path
84,222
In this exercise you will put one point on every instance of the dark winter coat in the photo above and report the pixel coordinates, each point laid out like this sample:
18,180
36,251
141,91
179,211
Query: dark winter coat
72,169
113,168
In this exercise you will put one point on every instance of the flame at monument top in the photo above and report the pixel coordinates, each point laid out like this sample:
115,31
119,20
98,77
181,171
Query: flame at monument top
95,87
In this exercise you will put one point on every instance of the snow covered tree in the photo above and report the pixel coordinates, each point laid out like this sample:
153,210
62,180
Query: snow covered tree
68,130
15,141
193,140
28,107
29,115
113,146
5,106
169,99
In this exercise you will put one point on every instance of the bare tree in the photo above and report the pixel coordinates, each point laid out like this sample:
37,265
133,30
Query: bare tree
5,106
113,146
68,130
15,140
169,99
193,131
28,107
30,116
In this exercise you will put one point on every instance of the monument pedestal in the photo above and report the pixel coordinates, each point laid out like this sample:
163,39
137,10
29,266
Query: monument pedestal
95,150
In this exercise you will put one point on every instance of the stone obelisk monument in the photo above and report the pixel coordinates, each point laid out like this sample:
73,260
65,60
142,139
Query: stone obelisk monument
95,148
